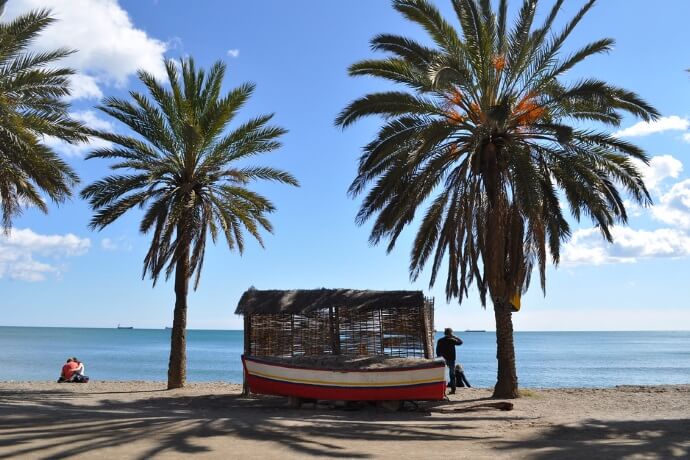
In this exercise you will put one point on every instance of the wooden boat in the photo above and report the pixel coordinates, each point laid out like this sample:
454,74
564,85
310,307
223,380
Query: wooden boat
426,381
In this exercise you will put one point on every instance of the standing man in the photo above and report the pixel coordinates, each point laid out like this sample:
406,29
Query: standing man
445,348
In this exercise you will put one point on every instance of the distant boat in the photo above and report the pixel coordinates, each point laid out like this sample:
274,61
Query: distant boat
168,327
475,330
125,327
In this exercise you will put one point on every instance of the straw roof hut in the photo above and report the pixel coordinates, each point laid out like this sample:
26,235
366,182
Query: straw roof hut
316,322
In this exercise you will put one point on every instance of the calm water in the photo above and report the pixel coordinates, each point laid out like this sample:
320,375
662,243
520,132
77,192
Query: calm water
545,359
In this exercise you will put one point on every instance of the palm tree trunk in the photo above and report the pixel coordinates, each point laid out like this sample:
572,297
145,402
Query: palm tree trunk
507,382
177,366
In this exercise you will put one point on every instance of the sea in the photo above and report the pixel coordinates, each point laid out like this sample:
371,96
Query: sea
544,359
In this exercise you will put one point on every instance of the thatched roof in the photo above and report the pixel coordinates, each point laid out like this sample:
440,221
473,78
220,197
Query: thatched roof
256,301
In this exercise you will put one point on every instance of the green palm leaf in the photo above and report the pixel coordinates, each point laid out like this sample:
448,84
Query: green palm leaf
482,141
180,166
31,107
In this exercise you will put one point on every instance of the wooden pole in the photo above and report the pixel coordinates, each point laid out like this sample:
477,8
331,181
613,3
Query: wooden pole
336,329
292,335
426,336
383,348
247,351
430,327
331,331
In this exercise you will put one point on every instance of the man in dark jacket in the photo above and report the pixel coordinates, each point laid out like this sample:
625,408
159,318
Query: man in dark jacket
445,348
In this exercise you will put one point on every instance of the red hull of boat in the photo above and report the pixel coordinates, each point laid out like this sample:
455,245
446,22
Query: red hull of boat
416,392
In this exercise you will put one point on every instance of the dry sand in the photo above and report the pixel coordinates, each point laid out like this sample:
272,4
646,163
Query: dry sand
110,420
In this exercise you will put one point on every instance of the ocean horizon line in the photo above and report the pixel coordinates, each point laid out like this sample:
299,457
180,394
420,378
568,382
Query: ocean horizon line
458,330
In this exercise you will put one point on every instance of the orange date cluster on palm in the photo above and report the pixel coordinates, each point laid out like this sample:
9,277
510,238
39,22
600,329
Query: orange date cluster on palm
456,106
499,62
526,112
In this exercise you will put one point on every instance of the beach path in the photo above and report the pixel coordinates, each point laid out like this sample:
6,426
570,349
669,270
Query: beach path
211,420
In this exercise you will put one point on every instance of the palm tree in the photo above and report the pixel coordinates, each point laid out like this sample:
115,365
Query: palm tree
31,88
183,168
489,137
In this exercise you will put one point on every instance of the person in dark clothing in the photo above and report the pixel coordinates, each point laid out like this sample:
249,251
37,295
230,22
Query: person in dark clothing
460,379
445,348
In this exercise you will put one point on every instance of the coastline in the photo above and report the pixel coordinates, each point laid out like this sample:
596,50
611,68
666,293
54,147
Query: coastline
138,419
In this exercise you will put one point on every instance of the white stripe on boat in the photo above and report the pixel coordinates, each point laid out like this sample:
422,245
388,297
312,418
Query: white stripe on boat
324,377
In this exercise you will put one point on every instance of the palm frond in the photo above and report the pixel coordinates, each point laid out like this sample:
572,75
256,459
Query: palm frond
485,139
180,167
32,87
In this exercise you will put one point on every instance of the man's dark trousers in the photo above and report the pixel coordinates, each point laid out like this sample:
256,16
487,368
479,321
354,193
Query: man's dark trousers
451,368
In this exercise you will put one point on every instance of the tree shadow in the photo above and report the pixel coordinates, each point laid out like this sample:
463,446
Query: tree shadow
50,424
663,439
36,395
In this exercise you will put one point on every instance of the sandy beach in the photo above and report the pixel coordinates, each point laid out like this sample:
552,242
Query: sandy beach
211,420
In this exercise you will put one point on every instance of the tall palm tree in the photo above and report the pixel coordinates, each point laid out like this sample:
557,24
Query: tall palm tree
486,137
31,88
183,167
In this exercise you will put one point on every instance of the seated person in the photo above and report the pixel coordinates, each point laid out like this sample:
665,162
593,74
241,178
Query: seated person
78,376
73,371
460,378
80,366
68,371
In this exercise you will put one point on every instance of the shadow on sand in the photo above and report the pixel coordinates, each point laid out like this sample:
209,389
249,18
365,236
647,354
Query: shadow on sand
48,424
597,439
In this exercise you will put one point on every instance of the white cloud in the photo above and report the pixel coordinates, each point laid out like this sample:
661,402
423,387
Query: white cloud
587,246
19,249
686,137
90,119
120,244
75,150
108,244
644,128
234,53
46,245
671,206
632,208
84,87
110,48
660,167
674,206
174,43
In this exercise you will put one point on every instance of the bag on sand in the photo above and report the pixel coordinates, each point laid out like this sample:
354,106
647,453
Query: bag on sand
77,378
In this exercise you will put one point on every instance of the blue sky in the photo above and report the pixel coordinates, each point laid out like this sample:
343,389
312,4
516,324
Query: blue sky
54,271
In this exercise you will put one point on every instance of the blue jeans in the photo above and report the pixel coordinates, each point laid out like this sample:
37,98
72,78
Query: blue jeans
451,369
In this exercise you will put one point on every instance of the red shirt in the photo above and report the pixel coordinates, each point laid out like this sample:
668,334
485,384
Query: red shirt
68,369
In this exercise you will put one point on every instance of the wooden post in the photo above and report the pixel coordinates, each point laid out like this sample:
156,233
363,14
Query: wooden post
336,331
247,351
331,331
426,336
292,335
383,348
432,325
